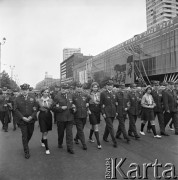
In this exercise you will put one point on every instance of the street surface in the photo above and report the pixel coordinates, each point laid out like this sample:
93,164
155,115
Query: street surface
83,165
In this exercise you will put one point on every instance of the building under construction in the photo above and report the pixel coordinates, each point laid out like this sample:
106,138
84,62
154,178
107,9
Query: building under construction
152,55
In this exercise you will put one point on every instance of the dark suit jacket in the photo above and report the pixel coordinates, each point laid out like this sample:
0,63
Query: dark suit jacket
134,101
80,101
121,103
61,100
108,103
158,99
25,108
170,100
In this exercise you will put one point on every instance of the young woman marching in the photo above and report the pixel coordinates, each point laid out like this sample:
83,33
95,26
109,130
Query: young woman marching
45,117
94,112
148,105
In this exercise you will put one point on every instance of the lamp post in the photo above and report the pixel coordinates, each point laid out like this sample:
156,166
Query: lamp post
1,43
12,69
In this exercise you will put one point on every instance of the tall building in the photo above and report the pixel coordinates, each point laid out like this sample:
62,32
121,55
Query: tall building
67,52
68,69
158,11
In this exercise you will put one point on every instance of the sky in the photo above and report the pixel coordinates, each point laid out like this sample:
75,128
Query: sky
37,31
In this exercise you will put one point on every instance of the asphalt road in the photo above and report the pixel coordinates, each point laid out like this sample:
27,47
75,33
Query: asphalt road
83,165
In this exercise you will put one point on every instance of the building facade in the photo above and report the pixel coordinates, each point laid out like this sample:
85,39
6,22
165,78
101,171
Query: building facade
158,11
67,52
67,67
149,55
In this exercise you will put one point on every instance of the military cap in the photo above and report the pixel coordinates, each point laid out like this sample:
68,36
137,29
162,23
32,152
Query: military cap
117,85
171,83
110,82
65,86
164,83
155,83
25,86
133,85
57,86
15,90
4,89
78,84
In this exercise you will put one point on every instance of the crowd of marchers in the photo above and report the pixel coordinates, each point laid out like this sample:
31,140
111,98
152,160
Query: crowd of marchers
72,106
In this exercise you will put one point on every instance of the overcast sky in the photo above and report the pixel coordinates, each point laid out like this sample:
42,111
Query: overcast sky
38,30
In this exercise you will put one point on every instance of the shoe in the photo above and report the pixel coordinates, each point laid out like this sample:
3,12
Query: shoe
137,137
118,137
176,133
14,129
157,136
128,140
115,145
6,130
42,144
60,146
70,151
91,140
47,152
142,133
99,146
85,147
76,141
27,155
148,131
105,140
164,134
130,134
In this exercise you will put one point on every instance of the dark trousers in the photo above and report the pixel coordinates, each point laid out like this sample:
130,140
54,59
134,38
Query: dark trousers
27,132
80,124
121,127
132,126
109,129
174,116
61,127
5,119
14,119
160,116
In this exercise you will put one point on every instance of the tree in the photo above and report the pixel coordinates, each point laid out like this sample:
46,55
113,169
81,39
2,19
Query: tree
7,82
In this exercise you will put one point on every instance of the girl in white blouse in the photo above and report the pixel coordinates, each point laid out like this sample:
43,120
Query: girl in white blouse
148,104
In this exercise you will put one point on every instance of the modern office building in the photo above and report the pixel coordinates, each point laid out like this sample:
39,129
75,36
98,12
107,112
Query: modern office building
158,11
67,67
67,52
151,55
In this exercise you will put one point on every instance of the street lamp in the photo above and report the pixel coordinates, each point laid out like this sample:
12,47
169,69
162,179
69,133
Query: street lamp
12,69
1,43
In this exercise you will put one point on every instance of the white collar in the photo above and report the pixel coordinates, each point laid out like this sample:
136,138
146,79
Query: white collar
45,99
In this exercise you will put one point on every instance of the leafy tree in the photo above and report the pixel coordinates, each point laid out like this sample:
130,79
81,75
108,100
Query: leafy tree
7,82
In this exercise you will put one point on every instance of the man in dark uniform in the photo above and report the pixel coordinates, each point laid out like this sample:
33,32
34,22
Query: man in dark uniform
171,106
134,103
158,109
108,103
25,107
64,109
122,112
14,117
81,101
7,108
53,94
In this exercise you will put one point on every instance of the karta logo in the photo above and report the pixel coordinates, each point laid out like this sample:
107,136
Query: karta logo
115,170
